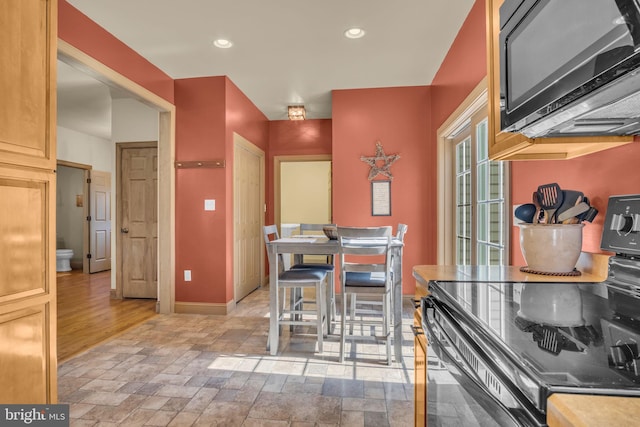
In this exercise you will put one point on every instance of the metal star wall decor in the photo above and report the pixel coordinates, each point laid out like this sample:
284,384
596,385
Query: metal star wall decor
376,167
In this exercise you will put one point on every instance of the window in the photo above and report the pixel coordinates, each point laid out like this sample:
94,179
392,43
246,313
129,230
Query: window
481,223
473,192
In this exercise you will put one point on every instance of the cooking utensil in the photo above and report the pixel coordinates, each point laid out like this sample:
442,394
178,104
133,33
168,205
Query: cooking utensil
526,212
589,215
548,339
550,200
573,212
570,198
580,345
536,202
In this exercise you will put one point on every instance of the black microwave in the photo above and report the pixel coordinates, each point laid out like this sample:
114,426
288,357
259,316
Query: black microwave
570,67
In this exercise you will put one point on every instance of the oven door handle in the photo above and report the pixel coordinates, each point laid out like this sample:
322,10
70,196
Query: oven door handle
460,360
454,354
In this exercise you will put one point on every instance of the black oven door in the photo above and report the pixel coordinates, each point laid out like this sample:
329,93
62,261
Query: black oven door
554,52
478,394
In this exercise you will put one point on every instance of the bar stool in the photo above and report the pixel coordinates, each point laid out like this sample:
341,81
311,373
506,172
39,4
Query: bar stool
294,281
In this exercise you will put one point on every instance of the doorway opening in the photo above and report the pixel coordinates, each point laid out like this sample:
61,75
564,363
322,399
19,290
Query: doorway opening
165,248
83,216
302,191
72,197
136,309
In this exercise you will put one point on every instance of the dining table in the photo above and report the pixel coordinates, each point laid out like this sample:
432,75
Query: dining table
321,245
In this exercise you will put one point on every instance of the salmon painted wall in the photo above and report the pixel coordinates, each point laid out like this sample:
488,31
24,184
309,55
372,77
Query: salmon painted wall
209,111
200,135
400,119
81,32
294,138
243,118
464,66
598,175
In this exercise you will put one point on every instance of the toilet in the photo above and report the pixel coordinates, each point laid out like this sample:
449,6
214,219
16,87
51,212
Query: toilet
63,259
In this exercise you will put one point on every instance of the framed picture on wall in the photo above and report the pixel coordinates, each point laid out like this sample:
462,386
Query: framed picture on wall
380,198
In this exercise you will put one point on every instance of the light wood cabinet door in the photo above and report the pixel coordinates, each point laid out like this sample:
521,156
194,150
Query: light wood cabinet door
28,361
515,146
420,372
27,82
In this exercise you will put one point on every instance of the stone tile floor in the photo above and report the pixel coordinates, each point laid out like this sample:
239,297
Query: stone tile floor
198,370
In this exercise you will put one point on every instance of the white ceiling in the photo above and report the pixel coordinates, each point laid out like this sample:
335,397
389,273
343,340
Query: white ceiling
285,51
84,104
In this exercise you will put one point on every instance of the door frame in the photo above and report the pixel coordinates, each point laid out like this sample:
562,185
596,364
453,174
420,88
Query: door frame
85,208
120,147
475,102
166,157
277,161
241,142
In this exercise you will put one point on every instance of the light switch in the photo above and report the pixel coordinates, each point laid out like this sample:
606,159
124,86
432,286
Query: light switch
209,205
187,275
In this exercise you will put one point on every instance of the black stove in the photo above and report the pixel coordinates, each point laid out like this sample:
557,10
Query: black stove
564,334
521,342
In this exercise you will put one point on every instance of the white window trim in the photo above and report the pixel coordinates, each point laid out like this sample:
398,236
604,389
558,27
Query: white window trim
473,103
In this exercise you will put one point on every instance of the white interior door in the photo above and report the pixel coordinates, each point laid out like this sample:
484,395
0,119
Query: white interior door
248,171
100,221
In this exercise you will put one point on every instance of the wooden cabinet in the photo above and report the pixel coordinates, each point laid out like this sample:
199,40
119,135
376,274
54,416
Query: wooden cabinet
420,372
28,362
514,146
568,410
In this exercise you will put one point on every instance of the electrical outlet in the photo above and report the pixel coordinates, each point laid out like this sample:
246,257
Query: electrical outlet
187,275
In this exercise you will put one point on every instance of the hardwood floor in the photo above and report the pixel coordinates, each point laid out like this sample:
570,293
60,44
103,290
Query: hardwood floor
87,315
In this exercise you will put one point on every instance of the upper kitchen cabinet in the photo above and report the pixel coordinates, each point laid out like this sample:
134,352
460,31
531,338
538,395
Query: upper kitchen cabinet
27,83
28,310
516,146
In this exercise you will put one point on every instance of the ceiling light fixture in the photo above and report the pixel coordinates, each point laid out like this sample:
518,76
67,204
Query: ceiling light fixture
222,43
354,33
296,112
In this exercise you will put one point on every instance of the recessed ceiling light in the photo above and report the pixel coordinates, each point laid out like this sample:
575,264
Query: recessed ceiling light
354,33
222,43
